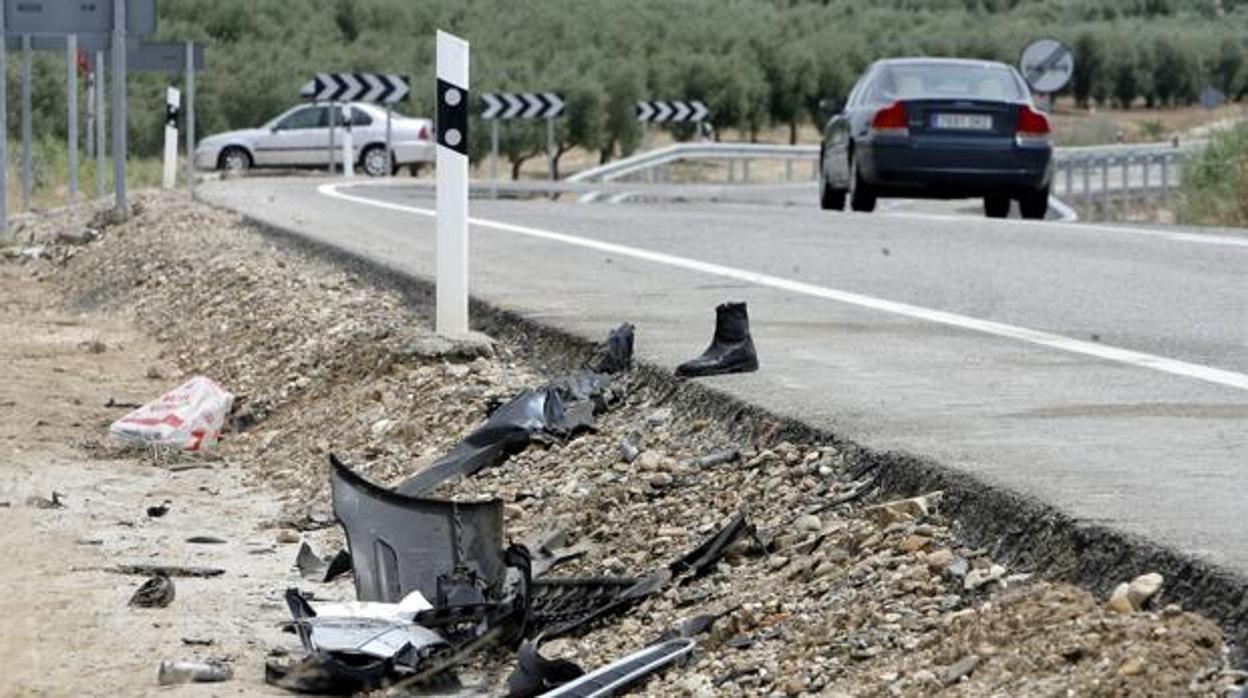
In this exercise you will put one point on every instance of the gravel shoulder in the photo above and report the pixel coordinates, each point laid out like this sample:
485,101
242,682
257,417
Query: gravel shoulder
867,597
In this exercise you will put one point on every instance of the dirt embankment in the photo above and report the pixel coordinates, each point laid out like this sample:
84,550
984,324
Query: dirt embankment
852,598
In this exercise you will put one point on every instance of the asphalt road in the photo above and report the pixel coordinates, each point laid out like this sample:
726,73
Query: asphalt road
1104,370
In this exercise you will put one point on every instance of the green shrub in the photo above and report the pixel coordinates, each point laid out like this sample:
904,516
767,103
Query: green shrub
1215,182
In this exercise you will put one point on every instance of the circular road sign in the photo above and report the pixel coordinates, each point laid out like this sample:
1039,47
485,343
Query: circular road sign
1047,65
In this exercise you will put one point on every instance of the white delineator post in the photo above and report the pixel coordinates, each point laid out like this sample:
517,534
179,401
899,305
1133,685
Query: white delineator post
173,102
452,185
348,145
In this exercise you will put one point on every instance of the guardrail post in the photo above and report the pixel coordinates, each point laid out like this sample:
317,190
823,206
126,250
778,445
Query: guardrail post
745,171
732,171
814,170
1070,179
1165,176
1125,191
1087,183
1147,161
788,170
1105,189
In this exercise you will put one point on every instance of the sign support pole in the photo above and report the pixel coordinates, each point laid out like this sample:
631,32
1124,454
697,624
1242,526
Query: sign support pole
28,183
121,210
71,65
550,145
190,118
452,185
494,158
4,145
101,185
88,136
389,141
333,121
172,101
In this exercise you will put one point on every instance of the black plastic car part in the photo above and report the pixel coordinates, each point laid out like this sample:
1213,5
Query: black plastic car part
452,552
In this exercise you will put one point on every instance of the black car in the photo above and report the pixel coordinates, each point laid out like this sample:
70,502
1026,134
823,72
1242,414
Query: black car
938,128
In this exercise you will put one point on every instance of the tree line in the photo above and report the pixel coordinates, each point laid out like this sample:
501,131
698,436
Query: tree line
756,63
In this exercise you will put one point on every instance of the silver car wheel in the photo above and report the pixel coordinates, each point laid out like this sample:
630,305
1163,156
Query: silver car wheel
376,162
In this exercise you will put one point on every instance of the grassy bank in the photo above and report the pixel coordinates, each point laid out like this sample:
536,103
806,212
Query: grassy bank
1215,182
50,174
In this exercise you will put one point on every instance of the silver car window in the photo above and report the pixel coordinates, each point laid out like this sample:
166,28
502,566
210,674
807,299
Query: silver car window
308,117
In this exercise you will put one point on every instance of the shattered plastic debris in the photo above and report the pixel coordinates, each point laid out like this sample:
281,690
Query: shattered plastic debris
445,550
157,592
535,674
614,678
176,672
616,354
188,417
731,349
314,568
372,635
553,412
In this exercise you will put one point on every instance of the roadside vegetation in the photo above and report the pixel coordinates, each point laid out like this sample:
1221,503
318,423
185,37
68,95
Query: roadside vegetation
50,170
1215,182
760,65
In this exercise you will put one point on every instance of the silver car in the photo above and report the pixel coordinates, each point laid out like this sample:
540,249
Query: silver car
299,137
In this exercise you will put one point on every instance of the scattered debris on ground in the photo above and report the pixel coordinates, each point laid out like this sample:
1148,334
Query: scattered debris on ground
824,585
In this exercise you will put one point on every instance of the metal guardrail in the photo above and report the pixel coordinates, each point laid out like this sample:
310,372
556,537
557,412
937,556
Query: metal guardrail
1102,185
733,152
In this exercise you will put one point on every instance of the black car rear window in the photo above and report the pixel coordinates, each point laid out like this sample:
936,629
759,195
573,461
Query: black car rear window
949,81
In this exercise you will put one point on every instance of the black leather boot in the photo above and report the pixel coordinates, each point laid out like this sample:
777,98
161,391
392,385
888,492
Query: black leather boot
731,351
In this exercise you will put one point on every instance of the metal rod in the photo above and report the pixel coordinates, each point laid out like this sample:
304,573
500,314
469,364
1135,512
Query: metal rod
1165,176
550,145
101,183
745,171
28,174
4,141
190,118
1125,191
788,170
89,134
390,159
494,158
121,210
71,66
1070,179
1147,162
1105,188
333,121
1087,183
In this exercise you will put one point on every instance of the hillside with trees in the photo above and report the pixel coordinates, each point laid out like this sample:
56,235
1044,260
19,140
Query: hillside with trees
756,63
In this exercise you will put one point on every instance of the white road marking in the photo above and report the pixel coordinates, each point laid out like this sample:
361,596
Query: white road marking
1046,339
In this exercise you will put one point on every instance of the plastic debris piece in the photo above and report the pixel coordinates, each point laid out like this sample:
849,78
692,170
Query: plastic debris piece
449,551
157,592
206,540
176,672
616,354
189,417
535,674
731,349
168,570
315,568
616,677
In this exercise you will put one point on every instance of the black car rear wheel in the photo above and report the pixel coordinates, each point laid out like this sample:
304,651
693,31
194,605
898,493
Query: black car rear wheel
997,205
830,199
861,198
1034,204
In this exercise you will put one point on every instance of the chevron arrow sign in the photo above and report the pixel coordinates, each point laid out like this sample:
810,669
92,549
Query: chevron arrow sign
521,105
671,111
380,88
